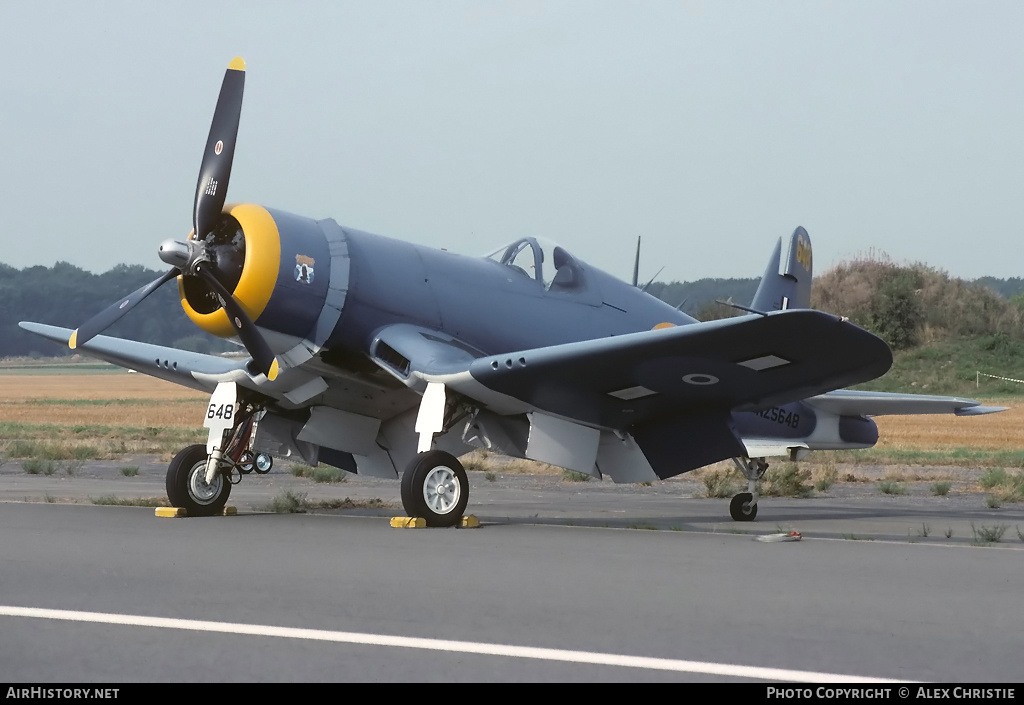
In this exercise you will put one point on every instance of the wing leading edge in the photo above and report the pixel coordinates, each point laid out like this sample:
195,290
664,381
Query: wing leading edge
177,366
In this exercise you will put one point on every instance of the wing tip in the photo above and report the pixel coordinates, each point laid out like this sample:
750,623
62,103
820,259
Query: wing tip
979,410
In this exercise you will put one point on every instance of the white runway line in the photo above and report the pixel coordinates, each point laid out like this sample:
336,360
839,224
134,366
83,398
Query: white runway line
466,647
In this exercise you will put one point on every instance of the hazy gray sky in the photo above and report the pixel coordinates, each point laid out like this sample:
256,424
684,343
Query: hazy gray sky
710,128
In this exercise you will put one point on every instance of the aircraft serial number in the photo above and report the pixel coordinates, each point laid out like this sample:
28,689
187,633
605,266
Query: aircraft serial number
786,418
220,411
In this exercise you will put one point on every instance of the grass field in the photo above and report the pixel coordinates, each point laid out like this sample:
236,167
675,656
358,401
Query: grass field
111,413
1002,431
96,415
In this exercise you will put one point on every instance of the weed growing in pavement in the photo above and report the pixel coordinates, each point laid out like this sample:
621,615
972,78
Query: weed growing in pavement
112,501
288,502
988,534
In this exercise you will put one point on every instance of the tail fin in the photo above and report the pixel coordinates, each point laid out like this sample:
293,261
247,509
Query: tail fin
783,288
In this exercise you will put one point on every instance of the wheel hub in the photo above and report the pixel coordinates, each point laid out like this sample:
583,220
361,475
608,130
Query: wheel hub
441,490
202,491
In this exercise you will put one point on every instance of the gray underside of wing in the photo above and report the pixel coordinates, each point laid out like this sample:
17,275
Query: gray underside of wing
177,366
848,402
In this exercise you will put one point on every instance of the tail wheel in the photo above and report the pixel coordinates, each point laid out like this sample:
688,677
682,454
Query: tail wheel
435,487
187,486
741,507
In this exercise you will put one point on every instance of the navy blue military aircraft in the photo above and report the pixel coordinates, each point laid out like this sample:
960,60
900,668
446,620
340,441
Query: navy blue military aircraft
382,358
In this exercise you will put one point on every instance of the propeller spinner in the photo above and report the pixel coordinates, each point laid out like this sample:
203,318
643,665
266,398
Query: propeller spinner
208,260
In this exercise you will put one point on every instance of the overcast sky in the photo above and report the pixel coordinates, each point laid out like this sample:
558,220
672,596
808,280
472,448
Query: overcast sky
709,128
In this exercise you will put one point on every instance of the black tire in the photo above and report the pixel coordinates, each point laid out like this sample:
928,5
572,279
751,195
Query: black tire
741,508
187,488
427,473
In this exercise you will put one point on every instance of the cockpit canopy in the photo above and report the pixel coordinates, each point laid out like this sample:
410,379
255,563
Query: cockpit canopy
537,258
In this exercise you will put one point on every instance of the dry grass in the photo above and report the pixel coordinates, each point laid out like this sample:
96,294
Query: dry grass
107,386
1002,431
133,400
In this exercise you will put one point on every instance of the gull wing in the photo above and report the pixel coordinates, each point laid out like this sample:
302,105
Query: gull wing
742,363
177,366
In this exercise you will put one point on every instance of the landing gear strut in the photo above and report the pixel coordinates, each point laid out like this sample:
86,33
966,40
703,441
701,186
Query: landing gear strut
199,480
435,487
743,506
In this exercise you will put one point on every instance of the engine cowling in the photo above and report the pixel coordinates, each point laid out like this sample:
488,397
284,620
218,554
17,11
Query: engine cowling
276,265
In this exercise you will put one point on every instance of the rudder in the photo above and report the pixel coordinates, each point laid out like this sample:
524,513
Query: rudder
787,287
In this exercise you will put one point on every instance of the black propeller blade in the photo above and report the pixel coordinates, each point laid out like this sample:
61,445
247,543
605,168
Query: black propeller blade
106,318
261,353
212,187
193,258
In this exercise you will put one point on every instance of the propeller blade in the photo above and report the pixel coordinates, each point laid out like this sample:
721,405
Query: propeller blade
212,187
105,318
247,332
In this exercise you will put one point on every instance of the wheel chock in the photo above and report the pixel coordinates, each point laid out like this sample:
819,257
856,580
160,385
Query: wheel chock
182,512
171,512
470,522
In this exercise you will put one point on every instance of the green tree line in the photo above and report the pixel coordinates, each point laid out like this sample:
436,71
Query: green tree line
66,295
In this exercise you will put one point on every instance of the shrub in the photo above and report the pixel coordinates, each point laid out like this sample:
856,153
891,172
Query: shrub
825,477
718,483
891,487
288,502
786,480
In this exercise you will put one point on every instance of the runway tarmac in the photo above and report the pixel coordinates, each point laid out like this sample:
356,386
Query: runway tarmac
560,583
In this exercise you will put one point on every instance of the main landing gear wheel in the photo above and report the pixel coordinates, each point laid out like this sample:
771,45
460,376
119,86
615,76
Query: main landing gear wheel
741,508
187,486
435,487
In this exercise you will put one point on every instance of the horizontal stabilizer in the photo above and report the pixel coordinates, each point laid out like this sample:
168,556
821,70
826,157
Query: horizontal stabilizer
848,402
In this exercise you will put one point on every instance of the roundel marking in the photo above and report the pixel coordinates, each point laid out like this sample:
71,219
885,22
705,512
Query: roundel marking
219,147
700,379
662,326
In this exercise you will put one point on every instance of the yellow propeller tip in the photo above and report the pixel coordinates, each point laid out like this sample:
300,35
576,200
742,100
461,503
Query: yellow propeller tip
237,64
272,375
73,341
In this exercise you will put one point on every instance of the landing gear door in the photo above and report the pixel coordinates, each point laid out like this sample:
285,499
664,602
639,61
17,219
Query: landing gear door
220,415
